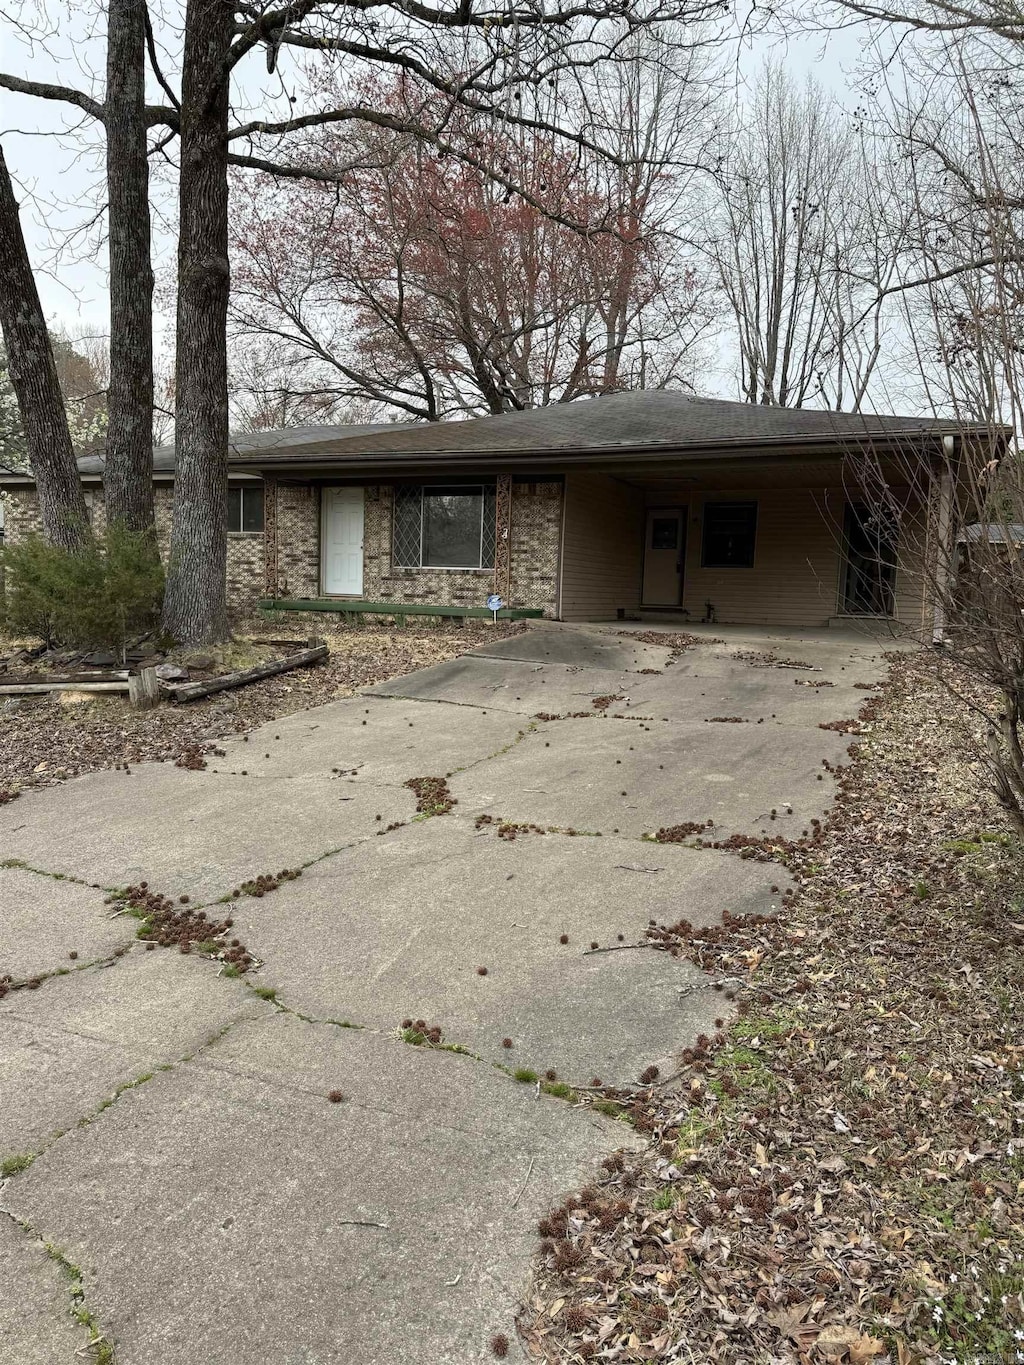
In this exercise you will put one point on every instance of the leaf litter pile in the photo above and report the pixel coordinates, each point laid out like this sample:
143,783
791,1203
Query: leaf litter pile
838,1175
42,742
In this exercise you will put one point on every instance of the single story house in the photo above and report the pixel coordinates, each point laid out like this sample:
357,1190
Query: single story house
634,502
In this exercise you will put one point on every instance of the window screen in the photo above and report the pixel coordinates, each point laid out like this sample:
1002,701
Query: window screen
245,509
405,549
730,529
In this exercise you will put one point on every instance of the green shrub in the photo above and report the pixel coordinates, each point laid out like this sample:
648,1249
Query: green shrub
100,597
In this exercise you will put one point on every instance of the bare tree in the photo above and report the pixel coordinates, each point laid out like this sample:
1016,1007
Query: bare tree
421,285
451,59
195,604
125,117
128,470
956,140
267,390
797,250
33,375
524,70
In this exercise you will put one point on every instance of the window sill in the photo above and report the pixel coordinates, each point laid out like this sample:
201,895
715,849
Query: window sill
246,535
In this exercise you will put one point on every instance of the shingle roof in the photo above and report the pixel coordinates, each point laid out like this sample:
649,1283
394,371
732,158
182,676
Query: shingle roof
651,420
638,421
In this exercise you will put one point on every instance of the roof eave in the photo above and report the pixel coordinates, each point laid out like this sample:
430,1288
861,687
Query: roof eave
771,447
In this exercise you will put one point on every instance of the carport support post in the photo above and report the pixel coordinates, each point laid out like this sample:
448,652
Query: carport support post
943,567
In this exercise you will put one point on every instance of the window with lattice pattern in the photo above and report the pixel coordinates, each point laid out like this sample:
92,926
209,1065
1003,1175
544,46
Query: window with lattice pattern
407,532
440,526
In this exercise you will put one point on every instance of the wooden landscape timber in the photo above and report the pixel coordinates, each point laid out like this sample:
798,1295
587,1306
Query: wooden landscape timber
192,691
27,686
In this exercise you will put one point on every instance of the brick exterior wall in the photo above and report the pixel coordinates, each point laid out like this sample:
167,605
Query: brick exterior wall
536,545
536,515
285,561
295,511
245,551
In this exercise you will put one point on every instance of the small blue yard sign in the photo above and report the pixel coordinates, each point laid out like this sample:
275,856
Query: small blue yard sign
494,604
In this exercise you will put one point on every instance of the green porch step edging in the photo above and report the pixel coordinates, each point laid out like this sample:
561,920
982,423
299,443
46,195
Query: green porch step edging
351,607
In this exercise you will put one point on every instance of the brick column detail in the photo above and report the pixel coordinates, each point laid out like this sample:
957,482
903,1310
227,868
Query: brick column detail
503,536
270,536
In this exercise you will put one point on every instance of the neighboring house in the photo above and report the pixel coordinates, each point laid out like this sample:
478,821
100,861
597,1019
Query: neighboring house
652,501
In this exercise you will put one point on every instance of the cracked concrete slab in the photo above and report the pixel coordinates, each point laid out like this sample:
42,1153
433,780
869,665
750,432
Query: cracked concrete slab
199,833
223,1209
610,774
36,1326
521,687
397,928
400,739
771,696
835,645
605,650
43,920
216,1211
71,1043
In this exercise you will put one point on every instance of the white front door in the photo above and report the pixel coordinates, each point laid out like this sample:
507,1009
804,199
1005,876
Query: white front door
343,541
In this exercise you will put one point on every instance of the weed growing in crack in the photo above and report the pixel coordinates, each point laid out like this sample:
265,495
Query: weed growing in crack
557,1089
421,1034
103,1351
16,1163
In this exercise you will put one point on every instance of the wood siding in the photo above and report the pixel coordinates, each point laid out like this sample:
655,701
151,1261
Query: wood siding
602,547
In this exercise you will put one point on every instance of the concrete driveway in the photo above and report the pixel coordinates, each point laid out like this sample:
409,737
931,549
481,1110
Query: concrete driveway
193,1189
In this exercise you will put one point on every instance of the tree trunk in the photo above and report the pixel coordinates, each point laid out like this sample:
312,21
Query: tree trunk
34,380
128,473
195,605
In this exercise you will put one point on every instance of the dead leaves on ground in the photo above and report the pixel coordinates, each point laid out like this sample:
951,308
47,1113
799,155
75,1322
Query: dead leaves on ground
838,1177
41,743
